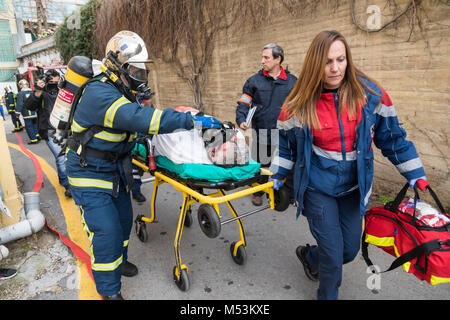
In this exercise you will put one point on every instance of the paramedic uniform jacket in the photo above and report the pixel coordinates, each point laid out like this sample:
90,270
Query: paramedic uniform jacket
105,105
268,95
378,125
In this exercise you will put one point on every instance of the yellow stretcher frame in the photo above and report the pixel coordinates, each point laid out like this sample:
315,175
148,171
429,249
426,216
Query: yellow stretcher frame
190,196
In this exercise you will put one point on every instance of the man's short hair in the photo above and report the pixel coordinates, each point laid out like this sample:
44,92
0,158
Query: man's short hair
277,51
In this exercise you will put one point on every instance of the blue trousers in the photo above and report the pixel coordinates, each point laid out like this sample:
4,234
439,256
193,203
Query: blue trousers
60,165
336,224
32,129
108,222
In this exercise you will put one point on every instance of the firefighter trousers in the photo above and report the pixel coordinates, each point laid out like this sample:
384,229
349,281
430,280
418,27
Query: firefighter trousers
108,221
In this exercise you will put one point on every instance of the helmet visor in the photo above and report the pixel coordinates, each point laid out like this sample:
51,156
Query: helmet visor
138,71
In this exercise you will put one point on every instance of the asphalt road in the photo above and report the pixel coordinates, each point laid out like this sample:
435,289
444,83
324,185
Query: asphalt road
271,272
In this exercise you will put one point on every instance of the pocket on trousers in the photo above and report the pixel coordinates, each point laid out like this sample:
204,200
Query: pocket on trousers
313,209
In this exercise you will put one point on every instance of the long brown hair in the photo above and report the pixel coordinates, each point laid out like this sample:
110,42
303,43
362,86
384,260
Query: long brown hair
301,102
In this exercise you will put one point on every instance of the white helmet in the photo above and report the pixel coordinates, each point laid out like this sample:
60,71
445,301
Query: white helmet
126,54
23,84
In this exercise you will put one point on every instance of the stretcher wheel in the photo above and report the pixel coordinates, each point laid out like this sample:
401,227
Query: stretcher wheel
241,254
141,229
209,220
282,200
188,219
183,282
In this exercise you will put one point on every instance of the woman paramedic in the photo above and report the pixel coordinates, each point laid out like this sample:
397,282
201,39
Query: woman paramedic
98,163
328,124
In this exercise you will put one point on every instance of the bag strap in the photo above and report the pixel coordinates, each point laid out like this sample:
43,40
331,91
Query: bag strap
392,206
425,248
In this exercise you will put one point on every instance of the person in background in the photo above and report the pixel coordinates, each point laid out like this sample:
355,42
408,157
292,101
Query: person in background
42,101
266,90
10,101
328,126
29,117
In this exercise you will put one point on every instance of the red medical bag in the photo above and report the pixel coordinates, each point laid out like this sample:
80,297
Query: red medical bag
419,241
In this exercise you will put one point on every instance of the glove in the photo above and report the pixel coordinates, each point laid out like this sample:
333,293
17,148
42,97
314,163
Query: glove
421,182
276,183
139,149
206,122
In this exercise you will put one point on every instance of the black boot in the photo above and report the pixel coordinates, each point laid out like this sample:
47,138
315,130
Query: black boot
139,197
116,296
129,269
67,193
301,253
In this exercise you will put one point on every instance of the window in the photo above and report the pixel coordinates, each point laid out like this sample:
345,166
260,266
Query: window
6,44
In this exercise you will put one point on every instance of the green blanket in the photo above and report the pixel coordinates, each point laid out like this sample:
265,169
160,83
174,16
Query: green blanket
208,172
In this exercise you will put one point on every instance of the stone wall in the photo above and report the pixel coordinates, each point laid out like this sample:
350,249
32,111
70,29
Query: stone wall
415,73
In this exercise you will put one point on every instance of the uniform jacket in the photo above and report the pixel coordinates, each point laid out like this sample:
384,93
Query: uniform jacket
10,102
43,106
21,97
103,104
267,94
379,125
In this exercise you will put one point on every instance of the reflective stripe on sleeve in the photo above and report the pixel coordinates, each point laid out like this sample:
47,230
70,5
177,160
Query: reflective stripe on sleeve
386,111
154,123
245,98
282,162
409,165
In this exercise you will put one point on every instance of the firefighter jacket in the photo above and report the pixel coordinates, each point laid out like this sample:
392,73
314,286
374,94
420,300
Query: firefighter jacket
10,101
378,125
106,106
43,105
21,97
268,95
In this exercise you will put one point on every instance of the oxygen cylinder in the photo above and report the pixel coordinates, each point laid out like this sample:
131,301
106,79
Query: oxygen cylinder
79,70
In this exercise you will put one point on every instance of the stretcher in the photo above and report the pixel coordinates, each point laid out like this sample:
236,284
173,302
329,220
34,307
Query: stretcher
209,217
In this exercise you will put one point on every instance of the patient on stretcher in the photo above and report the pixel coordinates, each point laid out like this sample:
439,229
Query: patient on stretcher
213,155
225,147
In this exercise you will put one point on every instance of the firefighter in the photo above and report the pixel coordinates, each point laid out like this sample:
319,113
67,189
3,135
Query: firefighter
10,101
106,119
29,117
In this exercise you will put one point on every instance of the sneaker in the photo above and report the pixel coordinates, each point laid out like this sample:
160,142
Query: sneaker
129,269
301,253
7,273
139,197
257,200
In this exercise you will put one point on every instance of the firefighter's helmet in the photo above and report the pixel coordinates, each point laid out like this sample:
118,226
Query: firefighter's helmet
127,54
23,84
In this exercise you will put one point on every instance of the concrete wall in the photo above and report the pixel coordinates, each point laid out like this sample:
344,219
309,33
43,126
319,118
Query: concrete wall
415,73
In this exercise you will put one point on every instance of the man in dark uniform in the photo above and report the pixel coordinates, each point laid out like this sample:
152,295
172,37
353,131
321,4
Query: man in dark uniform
266,91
